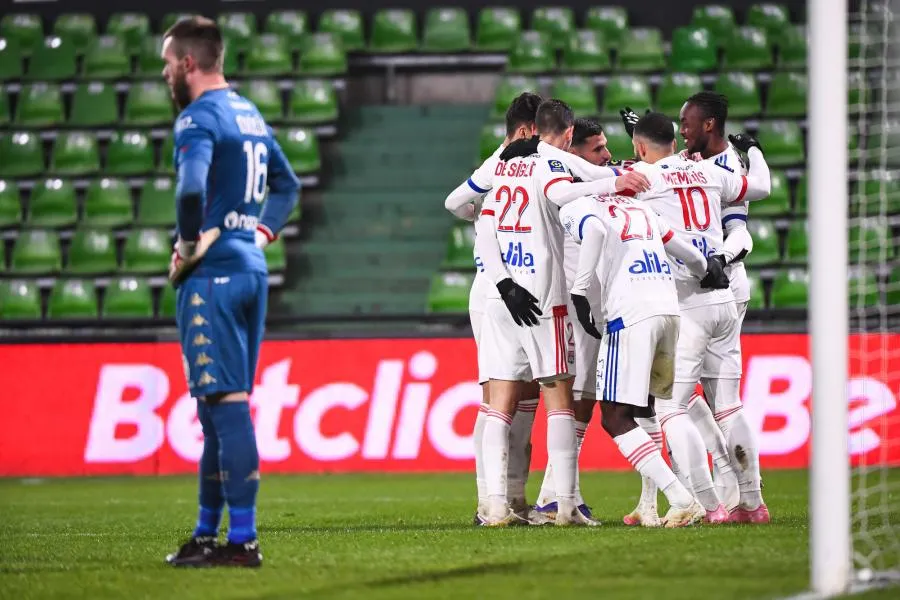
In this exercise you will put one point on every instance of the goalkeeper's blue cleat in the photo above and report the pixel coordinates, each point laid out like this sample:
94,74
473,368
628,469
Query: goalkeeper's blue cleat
196,552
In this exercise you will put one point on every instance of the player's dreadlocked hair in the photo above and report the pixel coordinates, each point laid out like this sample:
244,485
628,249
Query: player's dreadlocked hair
522,111
712,105
554,117
201,38
656,128
584,129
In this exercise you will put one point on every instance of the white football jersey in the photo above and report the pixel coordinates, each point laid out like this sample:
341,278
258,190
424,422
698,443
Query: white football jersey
693,198
481,181
636,279
730,160
529,232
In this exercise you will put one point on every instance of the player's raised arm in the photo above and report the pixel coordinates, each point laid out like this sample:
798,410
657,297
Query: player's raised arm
757,184
284,193
738,241
558,185
194,139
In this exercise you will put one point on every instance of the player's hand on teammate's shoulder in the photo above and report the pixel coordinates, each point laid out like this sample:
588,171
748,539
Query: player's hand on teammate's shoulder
521,304
518,148
583,312
716,278
632,182
744,141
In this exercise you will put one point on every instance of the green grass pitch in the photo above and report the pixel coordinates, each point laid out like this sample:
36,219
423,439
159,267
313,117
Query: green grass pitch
388,536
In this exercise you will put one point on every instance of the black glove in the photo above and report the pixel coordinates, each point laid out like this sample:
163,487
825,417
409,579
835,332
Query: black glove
521,304
630,119
520,148
744,141
583,312
716,278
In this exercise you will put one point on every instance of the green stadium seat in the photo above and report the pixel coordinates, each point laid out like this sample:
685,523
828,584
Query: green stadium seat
498,29
301,147
52,204
748,48
719,20
296,213
276,257
107,58
26,29
618,141
147,251
757,293
556,22
347,25
742,92
394,30
2,258
641,50
492,135
787,95
531,54
5,116
586,52
237,30
268,54
790,289
313,101
446,30
871,241
509,88
875,194
79,28
264,93
129,153
11,66
292,25
92,252
168,305
792,47
94,105
693,50
157,205
149,103
773,18
800,196
108,204
128,297
578,92
626,90
53,59
10,206
132,28
323,56
167,156
893,288
611,20
782,142
449,293
673,90
149,62
862,289
460,248
779,201
171,18
19,299
72,299
36,252
797,250
765,243
21,154
40,105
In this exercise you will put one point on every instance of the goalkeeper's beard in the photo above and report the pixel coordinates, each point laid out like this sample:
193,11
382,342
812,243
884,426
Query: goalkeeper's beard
181,93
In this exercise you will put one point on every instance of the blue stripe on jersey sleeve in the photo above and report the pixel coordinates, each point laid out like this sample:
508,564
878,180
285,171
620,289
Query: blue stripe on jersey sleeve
475,187
581,225
728,218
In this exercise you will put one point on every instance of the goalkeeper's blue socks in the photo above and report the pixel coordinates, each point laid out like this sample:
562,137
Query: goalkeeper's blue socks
239,461
212,498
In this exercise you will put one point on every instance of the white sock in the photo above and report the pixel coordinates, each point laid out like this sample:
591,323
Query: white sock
548,491
688,451
648,486
520,448
580,431
477,439
726,483
562,452
637,447
495,447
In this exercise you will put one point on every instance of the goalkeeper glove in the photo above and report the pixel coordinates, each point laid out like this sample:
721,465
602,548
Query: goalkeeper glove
583,312
520,148
716,278
744,141
519,301
630,119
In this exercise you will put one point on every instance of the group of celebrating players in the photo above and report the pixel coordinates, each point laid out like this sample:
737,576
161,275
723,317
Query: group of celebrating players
647,255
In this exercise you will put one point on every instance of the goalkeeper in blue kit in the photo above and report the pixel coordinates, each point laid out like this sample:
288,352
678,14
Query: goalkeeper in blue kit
226,158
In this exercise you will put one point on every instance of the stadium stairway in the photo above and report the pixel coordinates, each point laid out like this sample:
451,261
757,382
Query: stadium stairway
381,231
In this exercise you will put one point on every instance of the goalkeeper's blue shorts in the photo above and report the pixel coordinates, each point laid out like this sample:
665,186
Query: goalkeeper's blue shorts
221,321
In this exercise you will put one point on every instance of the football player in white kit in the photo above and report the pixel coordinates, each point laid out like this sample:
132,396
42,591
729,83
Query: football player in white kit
695,198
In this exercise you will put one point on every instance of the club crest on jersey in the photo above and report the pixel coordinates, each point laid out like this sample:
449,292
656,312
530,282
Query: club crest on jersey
517,257
556,166
651,263
184,123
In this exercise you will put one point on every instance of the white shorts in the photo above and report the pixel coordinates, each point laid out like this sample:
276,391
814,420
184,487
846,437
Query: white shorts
638,360
510,352
587,348
739,283
709,345
477,301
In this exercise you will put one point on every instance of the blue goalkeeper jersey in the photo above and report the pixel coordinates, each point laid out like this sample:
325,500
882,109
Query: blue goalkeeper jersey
227,155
